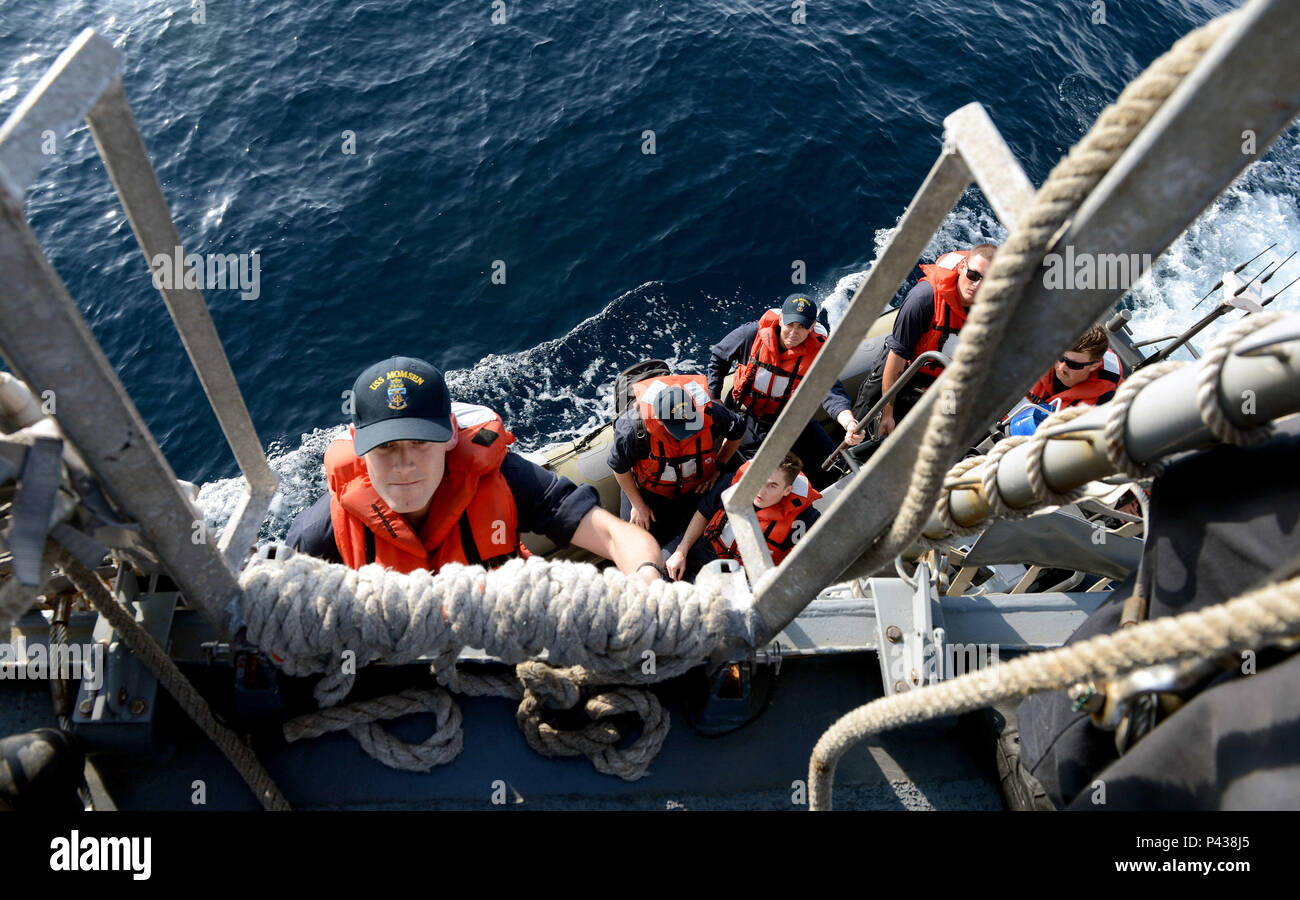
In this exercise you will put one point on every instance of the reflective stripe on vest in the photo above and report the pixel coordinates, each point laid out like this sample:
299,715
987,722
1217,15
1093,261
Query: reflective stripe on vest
672,467
765,381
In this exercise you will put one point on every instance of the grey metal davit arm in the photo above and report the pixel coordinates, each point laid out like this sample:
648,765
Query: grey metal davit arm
127,162
1188,153
1164,418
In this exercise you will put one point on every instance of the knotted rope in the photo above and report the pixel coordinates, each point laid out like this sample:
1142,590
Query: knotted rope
594,627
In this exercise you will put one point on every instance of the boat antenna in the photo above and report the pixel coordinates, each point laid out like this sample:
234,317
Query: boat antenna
1218,284
1240,290
1279,266
1269,300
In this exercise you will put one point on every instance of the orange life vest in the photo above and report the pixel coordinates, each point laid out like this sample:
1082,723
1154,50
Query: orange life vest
764,383
1088,391
674,467
776,521
472,519
949,315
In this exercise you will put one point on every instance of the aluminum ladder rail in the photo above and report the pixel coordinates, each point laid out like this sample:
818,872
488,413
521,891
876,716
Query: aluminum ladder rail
48,344
973,153
1185,157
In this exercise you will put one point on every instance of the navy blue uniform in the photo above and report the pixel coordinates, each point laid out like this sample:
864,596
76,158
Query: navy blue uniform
545,504
914,318
814,444
670,515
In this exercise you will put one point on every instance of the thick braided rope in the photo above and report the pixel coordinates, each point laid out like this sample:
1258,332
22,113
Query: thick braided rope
559,689
1043,493
307,613
595,627
989,477
57,637
1247,622
145,648
956,478
1019,259
1117,421
1113,431
1208,371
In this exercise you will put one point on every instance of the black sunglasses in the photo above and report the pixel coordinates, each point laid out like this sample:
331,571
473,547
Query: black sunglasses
973,275
1076,366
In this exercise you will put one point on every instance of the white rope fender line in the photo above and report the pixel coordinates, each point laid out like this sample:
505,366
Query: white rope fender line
958,478
595,628
1208,375
1236,625
1117,421
1207,382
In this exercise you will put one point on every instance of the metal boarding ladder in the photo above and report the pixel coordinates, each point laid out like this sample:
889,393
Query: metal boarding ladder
1184,158
48,344
973,153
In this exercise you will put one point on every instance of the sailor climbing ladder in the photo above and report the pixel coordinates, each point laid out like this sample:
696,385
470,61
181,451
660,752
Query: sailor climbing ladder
50,346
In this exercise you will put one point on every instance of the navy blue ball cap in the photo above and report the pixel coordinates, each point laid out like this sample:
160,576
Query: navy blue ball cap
675,408
400,399
800,309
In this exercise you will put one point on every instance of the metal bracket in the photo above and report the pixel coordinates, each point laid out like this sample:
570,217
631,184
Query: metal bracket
118,713
909,632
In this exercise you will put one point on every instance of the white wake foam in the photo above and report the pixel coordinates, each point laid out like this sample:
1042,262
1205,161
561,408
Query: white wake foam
533,386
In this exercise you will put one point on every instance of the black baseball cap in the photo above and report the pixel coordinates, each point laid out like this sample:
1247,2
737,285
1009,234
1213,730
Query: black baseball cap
675,408
800,309
400,399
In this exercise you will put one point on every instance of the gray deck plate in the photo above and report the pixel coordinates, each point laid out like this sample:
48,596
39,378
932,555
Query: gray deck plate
924,767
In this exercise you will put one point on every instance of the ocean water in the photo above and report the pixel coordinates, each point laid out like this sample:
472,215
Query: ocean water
776,144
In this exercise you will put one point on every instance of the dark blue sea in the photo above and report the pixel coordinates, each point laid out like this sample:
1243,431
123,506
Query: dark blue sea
775,143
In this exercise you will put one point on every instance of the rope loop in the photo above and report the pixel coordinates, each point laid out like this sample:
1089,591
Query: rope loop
943,508
989,480
546,687
1117,420
1208,373
1043,493
361,720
